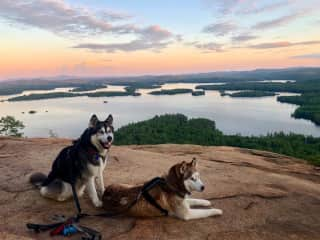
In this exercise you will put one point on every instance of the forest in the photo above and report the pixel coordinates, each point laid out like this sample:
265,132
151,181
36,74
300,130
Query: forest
309,106
177,128
293,87
86,88
171,91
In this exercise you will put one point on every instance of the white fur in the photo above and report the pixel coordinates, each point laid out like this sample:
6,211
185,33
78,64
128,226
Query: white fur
187,213
44,191
102,140
194,183
93,192
198,202
184,210
88,183
96,172
103,136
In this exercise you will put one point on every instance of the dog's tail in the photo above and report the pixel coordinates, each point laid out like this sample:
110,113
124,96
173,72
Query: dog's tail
37,179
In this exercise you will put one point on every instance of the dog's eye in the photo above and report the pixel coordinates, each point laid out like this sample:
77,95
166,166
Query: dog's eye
193,179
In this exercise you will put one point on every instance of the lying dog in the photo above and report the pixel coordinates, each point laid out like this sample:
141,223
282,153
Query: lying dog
77,166
172,196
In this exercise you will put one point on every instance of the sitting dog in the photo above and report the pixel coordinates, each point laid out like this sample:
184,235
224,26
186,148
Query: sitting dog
77,166
171,197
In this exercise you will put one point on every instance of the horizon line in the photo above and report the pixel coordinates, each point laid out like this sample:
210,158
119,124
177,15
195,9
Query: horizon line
68,77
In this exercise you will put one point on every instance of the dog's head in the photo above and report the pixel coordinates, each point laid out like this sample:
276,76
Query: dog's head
185,177
101,132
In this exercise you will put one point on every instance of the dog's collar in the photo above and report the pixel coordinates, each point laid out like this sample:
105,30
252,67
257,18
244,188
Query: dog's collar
94,155
180,192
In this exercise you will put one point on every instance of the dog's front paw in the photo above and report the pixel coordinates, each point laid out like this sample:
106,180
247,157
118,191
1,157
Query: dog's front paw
217,212
101,192
206,203
97,203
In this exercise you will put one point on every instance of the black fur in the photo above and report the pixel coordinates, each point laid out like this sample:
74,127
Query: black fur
72,160
37,179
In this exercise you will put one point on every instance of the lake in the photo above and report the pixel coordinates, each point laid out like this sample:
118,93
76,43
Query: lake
68,117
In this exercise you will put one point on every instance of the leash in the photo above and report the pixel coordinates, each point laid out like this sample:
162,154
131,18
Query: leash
68,227
145,193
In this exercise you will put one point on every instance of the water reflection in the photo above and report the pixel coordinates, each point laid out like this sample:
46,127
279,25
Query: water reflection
247,116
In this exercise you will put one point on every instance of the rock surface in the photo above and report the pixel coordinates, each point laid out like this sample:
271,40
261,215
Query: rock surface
263,195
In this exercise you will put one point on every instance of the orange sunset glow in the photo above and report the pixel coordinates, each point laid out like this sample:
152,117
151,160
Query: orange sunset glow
113,39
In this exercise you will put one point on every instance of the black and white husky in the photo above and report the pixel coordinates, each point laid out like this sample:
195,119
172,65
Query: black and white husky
77,166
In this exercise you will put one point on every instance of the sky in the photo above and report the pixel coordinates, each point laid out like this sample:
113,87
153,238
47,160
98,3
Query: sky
40,38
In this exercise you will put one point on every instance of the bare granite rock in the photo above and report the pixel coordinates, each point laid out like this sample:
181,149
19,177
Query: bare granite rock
263,195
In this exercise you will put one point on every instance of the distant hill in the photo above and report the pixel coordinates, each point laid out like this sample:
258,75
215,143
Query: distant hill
298,73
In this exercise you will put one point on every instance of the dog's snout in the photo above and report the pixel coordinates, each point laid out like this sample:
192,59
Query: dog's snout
109,138
202,188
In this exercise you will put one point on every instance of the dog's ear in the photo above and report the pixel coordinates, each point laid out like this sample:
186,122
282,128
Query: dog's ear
109,120
194,163
93,121
183,168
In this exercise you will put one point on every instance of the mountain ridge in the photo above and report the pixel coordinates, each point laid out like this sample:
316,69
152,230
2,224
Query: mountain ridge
133,78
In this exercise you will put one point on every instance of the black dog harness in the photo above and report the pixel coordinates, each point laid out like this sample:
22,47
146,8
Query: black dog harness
146,195
70,226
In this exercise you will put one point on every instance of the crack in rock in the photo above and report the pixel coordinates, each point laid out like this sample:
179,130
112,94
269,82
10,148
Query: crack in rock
250,205
4,189
248,195
7,155
132,226
3,146
309,176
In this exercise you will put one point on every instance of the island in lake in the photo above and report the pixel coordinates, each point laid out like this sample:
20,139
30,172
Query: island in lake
249,94
87,88
178,91
42,96
198,93
171,91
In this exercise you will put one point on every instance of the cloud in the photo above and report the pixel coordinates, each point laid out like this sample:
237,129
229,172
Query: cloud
56,16
223,6
63,19
281,44
310,56
153,37
134,45
208,47
279,21
265,8
110,15
220,29
156,33
247,6
243,38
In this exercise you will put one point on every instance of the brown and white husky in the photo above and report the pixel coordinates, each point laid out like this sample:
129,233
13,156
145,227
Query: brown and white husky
173,196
